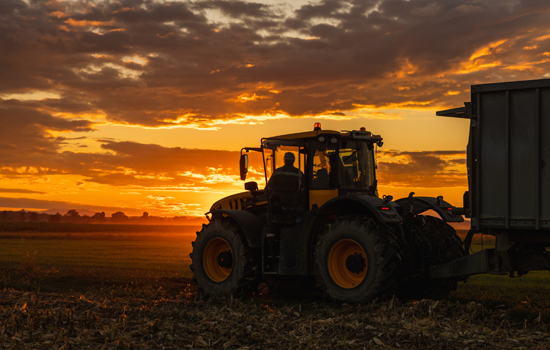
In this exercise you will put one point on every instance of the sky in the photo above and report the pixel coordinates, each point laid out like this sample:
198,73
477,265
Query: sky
143,106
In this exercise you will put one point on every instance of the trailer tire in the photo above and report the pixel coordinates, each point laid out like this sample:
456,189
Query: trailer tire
221,261
439,244
355,261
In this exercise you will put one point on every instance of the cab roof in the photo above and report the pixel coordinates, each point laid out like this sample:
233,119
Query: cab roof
307,135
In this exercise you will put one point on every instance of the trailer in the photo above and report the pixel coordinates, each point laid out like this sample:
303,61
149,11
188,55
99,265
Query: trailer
508,160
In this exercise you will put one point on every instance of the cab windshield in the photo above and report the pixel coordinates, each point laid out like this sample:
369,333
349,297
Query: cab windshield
356,165
347,164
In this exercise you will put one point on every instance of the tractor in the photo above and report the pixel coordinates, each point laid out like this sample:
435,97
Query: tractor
324,225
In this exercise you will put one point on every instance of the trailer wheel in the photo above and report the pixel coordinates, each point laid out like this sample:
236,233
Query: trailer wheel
355,261
439,244
221,261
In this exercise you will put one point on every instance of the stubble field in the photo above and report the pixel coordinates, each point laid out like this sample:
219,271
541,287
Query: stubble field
133,290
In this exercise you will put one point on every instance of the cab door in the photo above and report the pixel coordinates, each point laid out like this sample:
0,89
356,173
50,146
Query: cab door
285,182
323,166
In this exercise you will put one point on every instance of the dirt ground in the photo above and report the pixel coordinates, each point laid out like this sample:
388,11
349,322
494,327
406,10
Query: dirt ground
157,320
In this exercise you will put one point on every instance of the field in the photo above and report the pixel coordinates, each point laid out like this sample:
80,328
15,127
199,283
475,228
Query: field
131,289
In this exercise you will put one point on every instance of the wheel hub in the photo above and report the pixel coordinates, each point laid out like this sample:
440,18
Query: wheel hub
225,259
355,263
217,259
347,263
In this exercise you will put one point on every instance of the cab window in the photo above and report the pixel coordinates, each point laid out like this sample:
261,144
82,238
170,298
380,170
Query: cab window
274,159
322,171
356,165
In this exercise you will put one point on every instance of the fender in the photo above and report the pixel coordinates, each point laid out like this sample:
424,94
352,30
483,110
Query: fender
361,204
250,224
418,205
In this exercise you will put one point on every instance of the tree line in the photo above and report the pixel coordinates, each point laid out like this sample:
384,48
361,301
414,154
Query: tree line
73,216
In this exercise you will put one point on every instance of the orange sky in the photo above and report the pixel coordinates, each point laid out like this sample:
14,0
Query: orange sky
140,106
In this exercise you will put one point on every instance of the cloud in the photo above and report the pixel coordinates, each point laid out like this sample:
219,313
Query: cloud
47,204
138,166
422,169
238,9
26,135
69,66
148,166
19,190
169,64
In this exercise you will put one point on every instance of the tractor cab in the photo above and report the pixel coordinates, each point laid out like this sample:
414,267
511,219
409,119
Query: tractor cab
305,170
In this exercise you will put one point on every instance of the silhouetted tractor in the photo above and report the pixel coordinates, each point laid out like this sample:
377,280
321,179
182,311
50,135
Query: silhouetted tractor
325,226
330,225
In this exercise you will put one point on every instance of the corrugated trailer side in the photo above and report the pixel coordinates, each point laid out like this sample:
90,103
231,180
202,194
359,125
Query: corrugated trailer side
509,152
508,178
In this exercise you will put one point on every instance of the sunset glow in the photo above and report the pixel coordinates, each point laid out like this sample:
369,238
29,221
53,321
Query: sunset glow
143,106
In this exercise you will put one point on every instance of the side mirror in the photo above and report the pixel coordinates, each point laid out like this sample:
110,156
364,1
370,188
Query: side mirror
244,166
251,186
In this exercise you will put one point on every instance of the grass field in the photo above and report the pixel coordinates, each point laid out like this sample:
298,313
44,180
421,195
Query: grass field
123,289
122,257
49,230
80,265
139,256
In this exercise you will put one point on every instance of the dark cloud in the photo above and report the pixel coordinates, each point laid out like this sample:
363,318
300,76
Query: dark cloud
8,202
137,164
422,169
151,63
18,190
25,135
238,9
144,62
150,166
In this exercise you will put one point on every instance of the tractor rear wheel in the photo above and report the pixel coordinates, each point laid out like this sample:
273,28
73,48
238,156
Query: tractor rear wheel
221,261
355,261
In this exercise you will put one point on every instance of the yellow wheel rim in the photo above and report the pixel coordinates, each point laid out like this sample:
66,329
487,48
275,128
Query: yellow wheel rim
217,259
347,263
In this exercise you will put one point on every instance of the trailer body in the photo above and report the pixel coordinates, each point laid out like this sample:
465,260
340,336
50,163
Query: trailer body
508,159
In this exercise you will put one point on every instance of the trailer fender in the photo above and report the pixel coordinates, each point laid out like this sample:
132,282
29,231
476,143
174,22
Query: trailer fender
249,223
382,210
418,205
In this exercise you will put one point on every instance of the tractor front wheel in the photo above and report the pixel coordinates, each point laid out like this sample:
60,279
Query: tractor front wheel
355,261
221,261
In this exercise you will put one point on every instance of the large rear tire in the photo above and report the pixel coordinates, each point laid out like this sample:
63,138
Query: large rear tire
355,261
221,261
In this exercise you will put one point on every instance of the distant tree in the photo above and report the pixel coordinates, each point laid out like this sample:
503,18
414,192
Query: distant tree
72,214
145,216
119,216
5,215
22,215
99,217
34,216
55,218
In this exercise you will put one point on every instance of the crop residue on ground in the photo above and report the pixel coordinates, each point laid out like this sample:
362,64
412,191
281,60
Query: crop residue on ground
64,321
